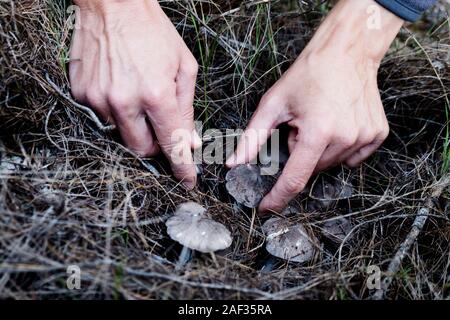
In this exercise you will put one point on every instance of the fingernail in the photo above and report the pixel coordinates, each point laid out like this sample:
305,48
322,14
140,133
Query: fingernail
263,213
197,140
189,184
231,161
264,208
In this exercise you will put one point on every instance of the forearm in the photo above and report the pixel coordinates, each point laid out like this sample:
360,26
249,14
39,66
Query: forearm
358,29
122,7
115,15
105,3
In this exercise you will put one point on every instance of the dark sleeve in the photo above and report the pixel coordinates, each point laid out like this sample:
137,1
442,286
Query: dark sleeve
409,10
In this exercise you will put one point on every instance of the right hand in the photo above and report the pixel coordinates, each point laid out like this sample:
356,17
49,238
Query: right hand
329,98
131,66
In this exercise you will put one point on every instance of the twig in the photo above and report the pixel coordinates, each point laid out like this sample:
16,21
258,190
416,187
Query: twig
216,286
416,228
85,109
47,133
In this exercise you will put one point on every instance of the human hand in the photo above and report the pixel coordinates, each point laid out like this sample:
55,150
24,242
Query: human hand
329,97
131,66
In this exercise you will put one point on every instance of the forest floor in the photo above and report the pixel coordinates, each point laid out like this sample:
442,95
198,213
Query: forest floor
71,195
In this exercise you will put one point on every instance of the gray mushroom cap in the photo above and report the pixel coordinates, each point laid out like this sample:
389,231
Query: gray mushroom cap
290,243
246,185
326,193
337,229
191,227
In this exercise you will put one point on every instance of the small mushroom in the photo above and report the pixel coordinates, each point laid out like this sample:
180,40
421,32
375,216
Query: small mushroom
246,184
10,164
192,227
438,65
325,193
269,264
337,229
290,210
290,243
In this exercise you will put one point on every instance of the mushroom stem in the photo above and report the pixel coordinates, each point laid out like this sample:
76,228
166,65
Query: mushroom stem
213,256
269,265
184,258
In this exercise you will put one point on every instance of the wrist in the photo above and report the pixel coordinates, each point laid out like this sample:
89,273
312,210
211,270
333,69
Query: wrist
115,15
359,29
113,6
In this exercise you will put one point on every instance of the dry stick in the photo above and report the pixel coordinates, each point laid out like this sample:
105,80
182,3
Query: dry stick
189,283
417,226
85,109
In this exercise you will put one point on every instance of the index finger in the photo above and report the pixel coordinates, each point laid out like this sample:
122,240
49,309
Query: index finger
174,139
295,175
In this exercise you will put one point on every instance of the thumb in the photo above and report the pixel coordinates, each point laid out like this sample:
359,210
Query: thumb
185,90
260,128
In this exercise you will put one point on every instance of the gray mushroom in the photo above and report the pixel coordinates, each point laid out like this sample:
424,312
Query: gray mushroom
191,227
288,242
10,164
246,184
325,193
269,264
337,230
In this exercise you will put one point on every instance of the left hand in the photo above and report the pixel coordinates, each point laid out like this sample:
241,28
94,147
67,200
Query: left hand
131,66
330,99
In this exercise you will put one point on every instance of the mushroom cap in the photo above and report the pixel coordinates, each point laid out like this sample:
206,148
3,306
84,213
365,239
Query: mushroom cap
191,209
288,242
326,193
191,227
337,229
246,185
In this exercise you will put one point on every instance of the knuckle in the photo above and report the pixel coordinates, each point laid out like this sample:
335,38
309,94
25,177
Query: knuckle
384,132
94,97
352,163
348,140
323,132
156,94
269,99
191,67
119,99
292,186
367,136
78,93
121,105
123,112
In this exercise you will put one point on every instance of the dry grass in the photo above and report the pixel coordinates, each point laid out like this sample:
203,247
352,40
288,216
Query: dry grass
70,195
